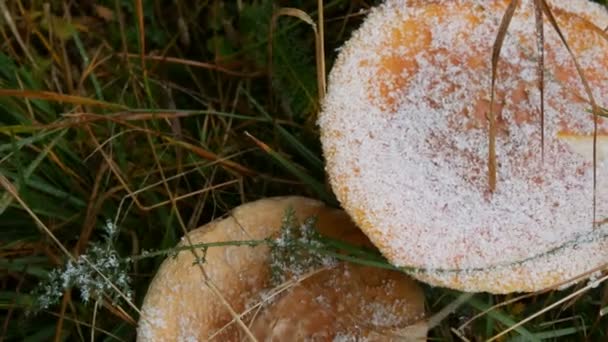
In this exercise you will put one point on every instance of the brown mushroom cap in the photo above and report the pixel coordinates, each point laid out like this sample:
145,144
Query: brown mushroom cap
405,136
342,301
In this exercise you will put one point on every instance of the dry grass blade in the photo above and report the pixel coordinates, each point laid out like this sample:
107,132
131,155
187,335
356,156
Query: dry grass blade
459,335
11,24
94,320
5,183
10,310
193,193
550,307
113,167
288,165
207,281
279,289
540,70
212,157
57,97
594,107
91,212
6,199
198,64
436,319
320,54
139,7
553,287
88,325
500,38
591,26
59,326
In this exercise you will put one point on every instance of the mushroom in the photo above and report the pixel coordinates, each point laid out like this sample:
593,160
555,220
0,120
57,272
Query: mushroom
339,300
405,135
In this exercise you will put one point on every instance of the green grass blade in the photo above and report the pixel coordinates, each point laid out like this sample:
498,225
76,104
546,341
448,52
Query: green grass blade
310,157
503,318
23,177
317,187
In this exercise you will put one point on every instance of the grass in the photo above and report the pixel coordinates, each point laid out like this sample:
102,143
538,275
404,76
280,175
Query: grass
98,128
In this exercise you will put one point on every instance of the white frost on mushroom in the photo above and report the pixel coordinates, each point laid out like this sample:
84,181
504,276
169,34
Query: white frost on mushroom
414,173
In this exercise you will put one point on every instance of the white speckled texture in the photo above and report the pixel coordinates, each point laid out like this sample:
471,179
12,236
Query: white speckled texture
405,138
337,301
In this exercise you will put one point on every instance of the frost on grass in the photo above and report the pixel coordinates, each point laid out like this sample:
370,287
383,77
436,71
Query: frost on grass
85,274
298,249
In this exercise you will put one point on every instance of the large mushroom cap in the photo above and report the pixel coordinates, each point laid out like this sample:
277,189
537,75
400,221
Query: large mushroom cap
406,139
345,300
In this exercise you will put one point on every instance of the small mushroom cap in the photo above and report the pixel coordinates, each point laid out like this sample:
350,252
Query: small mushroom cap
341,301
405,136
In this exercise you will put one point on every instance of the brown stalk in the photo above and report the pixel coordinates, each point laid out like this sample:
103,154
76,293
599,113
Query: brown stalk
540,71
204,65
11,309
594,107
139,7
57,97
212,157
91,213
319,45
500,38
64,303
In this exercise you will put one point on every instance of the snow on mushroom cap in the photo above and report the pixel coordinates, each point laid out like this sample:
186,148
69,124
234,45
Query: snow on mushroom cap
405,136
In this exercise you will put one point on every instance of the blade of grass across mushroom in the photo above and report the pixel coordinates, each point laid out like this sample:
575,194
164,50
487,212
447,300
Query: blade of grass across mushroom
594,107
356,260
310,157
540,71
603,112
201,246
353,250
498,42
318,187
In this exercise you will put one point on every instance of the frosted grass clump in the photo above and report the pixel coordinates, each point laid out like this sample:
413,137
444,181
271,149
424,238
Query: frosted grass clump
85,274
298,249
